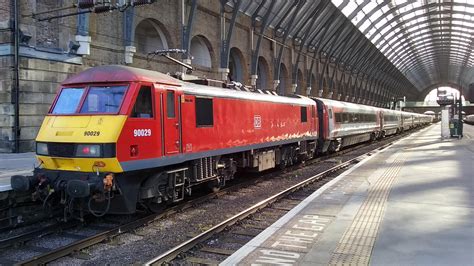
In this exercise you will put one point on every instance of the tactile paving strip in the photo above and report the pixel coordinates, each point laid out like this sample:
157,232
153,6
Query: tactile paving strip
356,244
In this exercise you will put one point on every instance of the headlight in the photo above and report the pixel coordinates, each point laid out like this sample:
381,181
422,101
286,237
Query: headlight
88,150
42,148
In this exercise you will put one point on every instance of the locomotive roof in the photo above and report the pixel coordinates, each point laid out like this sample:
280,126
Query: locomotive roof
119,73
210,91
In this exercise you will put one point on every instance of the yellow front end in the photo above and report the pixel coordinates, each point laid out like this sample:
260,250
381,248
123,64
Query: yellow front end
98,129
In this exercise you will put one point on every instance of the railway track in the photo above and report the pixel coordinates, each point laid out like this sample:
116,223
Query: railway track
105,231
173,253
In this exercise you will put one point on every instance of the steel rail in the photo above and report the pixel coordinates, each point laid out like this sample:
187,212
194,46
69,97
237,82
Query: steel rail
36,233
92,240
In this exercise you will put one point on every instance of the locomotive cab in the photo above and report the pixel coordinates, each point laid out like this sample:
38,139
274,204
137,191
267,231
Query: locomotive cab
91,128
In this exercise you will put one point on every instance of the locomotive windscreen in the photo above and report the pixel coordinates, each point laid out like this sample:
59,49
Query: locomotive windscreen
98,100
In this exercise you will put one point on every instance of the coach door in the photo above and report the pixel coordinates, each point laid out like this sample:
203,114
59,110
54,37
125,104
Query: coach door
171,122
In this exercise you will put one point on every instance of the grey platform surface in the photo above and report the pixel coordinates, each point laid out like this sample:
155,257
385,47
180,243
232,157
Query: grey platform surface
410,204
14,164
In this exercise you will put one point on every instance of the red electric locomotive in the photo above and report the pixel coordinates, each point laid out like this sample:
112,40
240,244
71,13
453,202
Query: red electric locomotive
117,136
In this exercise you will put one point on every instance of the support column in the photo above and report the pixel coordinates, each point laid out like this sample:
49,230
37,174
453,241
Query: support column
82,35
445,122
129,33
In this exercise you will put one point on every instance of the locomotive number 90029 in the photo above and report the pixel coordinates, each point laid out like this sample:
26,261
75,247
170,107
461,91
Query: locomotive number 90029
142,132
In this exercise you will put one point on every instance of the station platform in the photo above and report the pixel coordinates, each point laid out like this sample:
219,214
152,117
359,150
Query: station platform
15,164
409,204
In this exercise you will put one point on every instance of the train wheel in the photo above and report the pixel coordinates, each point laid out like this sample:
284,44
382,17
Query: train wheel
332,147
155,207
216,184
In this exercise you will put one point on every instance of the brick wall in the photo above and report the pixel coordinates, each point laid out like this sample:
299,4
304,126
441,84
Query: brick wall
39,78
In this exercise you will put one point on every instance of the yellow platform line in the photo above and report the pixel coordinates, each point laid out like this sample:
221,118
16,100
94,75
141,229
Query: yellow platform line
357,242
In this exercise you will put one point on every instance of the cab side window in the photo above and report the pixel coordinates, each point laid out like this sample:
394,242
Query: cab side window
304,114
204,112
143,107
170,104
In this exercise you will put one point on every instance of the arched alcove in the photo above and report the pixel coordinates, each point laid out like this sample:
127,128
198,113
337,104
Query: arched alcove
201,51
283,87
236,65
301,87
263,74
314,84
150,35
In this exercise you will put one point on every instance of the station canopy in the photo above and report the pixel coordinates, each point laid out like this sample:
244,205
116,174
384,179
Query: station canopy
430,41
425,42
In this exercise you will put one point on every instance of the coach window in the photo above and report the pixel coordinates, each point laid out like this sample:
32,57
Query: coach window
304,114
367,118
330,115
346,118
204,112
170,104
143,104
355,118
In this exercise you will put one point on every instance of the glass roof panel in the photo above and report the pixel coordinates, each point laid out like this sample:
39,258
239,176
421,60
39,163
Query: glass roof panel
412,28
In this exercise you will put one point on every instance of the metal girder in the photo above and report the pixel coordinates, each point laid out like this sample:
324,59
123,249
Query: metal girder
315,14
305,18
384,45
343,45
434,52
128,29
225,42
434,45
263,26
382,40
334,38
316,48
83,24
321,32
187,30
296,6
433,60
426,37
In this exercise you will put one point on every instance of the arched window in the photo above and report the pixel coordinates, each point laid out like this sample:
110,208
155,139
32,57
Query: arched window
200,50
283,79
262,73
150,36
236,65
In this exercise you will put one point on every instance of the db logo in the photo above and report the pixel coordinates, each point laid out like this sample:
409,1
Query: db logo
257,121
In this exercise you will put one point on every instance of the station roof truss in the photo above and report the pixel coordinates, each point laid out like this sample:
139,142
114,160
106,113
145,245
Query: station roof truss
405,45
429,41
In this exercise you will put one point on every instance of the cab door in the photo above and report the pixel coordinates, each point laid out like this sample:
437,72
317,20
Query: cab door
314,120
171,121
